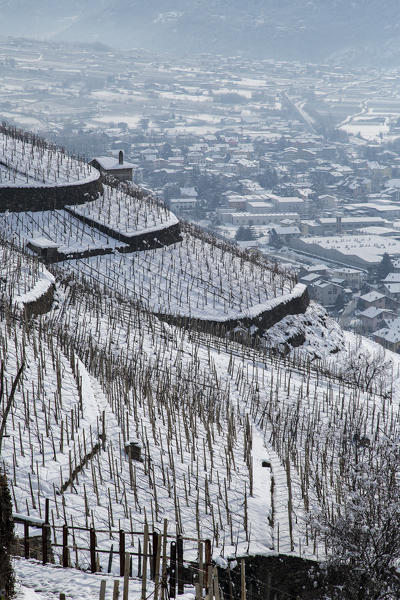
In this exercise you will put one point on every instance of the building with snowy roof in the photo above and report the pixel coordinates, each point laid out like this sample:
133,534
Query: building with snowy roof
109,165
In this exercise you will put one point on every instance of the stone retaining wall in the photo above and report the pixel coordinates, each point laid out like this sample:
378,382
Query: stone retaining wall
41,305
143,241
295,305
20,199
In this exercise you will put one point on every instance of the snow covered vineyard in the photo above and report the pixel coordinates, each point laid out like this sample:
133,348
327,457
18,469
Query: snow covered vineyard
206,414
198,277
35,176
24,283
195,278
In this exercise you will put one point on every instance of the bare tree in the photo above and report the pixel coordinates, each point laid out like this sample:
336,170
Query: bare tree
363,529
370,371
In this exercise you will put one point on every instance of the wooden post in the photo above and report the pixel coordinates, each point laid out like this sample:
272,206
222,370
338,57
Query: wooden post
172,571
201,567
45,538
110,558
62,596
102,594
157,570
46,512
126,576
230,582
207,561
199,594
65,547
164,560
121,552
26,539
139,566
145,552
210,586
179,564
216,584
154,555
92,550
116,590
243,580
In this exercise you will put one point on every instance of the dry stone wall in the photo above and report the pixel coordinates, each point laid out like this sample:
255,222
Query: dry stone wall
19,199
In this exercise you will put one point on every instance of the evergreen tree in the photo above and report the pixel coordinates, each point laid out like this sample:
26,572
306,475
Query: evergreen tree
245,234
385,267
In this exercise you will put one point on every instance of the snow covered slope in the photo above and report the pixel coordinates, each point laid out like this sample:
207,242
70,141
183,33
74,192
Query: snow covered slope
28,163
101,371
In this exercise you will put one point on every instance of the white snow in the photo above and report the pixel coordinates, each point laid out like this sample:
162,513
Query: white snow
23,164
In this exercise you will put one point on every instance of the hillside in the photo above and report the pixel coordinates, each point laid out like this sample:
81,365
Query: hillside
365,30
248,436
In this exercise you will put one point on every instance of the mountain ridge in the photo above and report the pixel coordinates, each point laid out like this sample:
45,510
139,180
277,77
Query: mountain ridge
313,31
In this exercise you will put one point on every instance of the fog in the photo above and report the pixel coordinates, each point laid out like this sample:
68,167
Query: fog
360,32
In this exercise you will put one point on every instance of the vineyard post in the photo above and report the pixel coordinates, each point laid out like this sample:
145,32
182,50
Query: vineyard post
121,552
110,558
201,580
65,547
102,593
243,580
157,569
172,570
126,576
145,553
207,561
92,550
216,584
26,539
179,552
116,590
164,559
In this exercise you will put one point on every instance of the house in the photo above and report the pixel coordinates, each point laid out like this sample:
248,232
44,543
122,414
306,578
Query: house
108,165
46,249
351,276
392,290
326,292
389,337
280,235
374,298
375,318
182,203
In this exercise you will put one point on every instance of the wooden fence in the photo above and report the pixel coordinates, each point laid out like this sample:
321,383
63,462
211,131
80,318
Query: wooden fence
159,555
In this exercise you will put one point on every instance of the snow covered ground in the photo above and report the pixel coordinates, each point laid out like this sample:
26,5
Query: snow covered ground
208,414
22,279
26,164
192,278
70,234
126,214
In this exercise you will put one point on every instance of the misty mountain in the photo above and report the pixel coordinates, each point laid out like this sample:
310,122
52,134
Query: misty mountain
314,30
